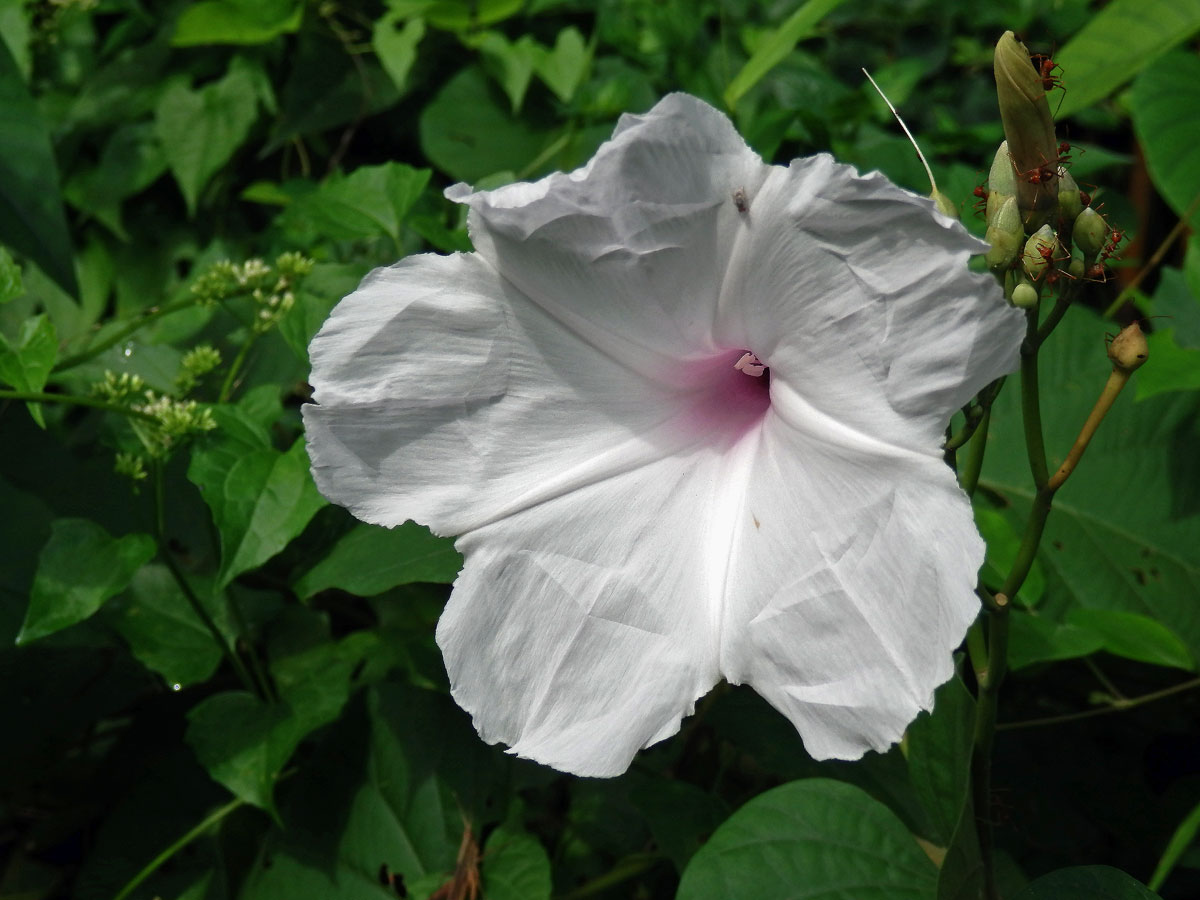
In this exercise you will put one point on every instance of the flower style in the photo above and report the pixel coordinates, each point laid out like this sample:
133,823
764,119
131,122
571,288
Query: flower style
683,411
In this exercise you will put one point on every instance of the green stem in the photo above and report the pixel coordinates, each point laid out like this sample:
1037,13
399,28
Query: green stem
1061,305
989,678
1118,705
160,534
155,864
968,476
1031,406
144,319
265,689
75,400
234,368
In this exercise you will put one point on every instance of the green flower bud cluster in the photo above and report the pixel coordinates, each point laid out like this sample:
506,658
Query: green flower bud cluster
174,420
272,288
1035,211
118,388
196,363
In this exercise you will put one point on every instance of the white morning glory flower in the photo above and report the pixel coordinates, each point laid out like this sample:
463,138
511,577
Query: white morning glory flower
683,411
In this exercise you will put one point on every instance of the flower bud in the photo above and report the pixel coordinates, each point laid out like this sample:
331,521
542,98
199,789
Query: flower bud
1005,234
1129,349
1029,130
1024,296
1001,182
1069,203
1039,251
1091,231
944,204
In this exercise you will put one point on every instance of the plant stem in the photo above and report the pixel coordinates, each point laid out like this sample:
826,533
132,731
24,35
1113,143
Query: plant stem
155,864
1116,382
968,476
1118,705
234,368
1031,405
160,535
989,677
75,400
141,321
1180,227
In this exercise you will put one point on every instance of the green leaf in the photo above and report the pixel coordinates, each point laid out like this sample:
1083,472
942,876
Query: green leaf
458,15
80,567
370,201
515,866
132,160
370,801
1165,105
236,21
1174,368
26,364
1086,883
1181,840
511,63
370,560
396,46
260,499
1034,639
939,758
1134,637
201,129
1117,43
774,48
10,277
681,816
1176,297
32,220
564,68
828,836
1123,530
162,629
467,134
243,742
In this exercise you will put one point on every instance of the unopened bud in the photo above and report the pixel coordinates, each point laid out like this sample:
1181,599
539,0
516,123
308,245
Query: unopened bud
944,204
1006,235
1069,203
1029,130
1129,349
1024,296
1039,251
1091,231
1001,182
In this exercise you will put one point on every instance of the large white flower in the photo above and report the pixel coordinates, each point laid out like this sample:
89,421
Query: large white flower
642,510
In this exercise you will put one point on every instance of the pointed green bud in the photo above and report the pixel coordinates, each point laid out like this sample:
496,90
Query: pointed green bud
1039,251
1001,182
944,204
1024,296
1029,130
1006,236
1091,231
1069,204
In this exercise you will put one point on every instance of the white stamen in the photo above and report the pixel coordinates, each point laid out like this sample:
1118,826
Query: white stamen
751,365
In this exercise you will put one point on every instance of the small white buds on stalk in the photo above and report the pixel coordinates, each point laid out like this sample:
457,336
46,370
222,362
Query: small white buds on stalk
1129,350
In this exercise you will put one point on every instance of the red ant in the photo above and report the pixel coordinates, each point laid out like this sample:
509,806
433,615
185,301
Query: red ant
981,193
1046,67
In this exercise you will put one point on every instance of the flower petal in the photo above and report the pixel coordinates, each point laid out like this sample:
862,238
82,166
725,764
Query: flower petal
446,397
630,250
579,630
857,295
851,582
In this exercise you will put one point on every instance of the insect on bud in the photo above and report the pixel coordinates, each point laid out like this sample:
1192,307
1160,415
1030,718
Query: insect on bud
1039,252
1029,129
1129,349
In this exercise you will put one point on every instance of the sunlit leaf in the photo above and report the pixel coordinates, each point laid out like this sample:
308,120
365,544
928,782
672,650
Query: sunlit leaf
1117,43
369,560
395,42
80,567
828,836
1165,104
236,21
26,362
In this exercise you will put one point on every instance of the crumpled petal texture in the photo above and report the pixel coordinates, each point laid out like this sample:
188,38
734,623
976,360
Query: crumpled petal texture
638,518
